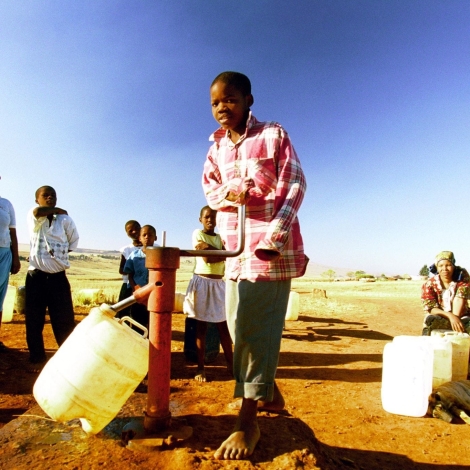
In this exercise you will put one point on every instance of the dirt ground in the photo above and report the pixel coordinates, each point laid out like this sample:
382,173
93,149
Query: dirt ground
329,372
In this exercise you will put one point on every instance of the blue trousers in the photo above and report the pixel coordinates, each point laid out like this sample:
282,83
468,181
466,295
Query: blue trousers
5,266
256,313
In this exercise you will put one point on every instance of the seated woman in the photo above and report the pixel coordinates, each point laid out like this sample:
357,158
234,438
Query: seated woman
444,296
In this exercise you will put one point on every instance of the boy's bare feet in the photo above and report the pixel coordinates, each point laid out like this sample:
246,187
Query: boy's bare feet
242,442
200,376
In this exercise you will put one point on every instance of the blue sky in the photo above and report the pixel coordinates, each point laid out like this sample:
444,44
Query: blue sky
108,102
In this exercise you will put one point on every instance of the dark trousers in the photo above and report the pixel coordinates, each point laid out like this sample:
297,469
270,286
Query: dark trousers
124,293
435,322
140,314
51,291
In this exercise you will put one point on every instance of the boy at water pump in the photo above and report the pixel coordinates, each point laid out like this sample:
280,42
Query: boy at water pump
132,228
53,235
253,163
138,273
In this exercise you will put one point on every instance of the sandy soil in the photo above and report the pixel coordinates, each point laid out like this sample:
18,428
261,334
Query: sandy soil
329,372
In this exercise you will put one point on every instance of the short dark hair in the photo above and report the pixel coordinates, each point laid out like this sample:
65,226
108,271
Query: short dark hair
150,227
131,222
44,187
204,208
238,80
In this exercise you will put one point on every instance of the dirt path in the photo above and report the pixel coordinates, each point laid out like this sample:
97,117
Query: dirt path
329,371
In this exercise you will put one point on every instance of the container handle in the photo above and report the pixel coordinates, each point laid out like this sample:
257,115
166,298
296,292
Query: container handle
138,325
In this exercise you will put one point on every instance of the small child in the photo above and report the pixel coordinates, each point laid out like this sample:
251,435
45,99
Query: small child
53,235
205,296
138,273
132,228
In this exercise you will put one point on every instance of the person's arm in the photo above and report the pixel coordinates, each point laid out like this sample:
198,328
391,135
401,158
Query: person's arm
201,245
121,265
132,282
71,233
454,320
430,301
44,211
290,188
222,194
130,271
15,263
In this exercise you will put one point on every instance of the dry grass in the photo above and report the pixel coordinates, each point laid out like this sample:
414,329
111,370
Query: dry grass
96,272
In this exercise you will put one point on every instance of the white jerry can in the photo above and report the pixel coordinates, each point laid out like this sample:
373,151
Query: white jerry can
407,376
293,306
94,372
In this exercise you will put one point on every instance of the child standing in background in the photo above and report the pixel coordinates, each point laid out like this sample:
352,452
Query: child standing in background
53,235
138,273
205,296
132,228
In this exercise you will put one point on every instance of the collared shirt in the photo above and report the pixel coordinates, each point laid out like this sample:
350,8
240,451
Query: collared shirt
50,243
135,265
432,292
7,221
265,163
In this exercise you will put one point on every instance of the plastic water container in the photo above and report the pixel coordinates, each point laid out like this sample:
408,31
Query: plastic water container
293,306
20,299
460,351
94,372
9,304
407,376
442,369
179,300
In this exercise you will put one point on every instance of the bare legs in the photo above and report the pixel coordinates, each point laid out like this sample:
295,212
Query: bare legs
201,330
225,340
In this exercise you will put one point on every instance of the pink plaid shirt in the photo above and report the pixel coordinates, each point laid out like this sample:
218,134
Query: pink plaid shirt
265,162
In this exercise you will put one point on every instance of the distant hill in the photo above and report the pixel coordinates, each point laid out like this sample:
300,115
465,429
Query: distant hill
23,247
313,269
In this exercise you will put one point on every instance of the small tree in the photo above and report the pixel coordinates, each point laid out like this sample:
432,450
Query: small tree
330,274
424,271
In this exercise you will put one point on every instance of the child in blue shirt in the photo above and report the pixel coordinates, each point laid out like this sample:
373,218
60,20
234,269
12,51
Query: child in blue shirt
138,273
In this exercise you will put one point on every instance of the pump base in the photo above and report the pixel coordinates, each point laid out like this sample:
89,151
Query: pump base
135,437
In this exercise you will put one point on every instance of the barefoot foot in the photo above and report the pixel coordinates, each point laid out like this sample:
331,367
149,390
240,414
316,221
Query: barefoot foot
240,444
200,376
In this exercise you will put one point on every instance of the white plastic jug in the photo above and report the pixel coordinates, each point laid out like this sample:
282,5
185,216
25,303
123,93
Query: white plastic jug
179,301
442,369
407,376
460,351
8,304
292,312
94,371
442,362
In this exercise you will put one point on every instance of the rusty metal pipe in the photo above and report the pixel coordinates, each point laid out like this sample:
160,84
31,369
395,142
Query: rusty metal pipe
162,263
139,295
